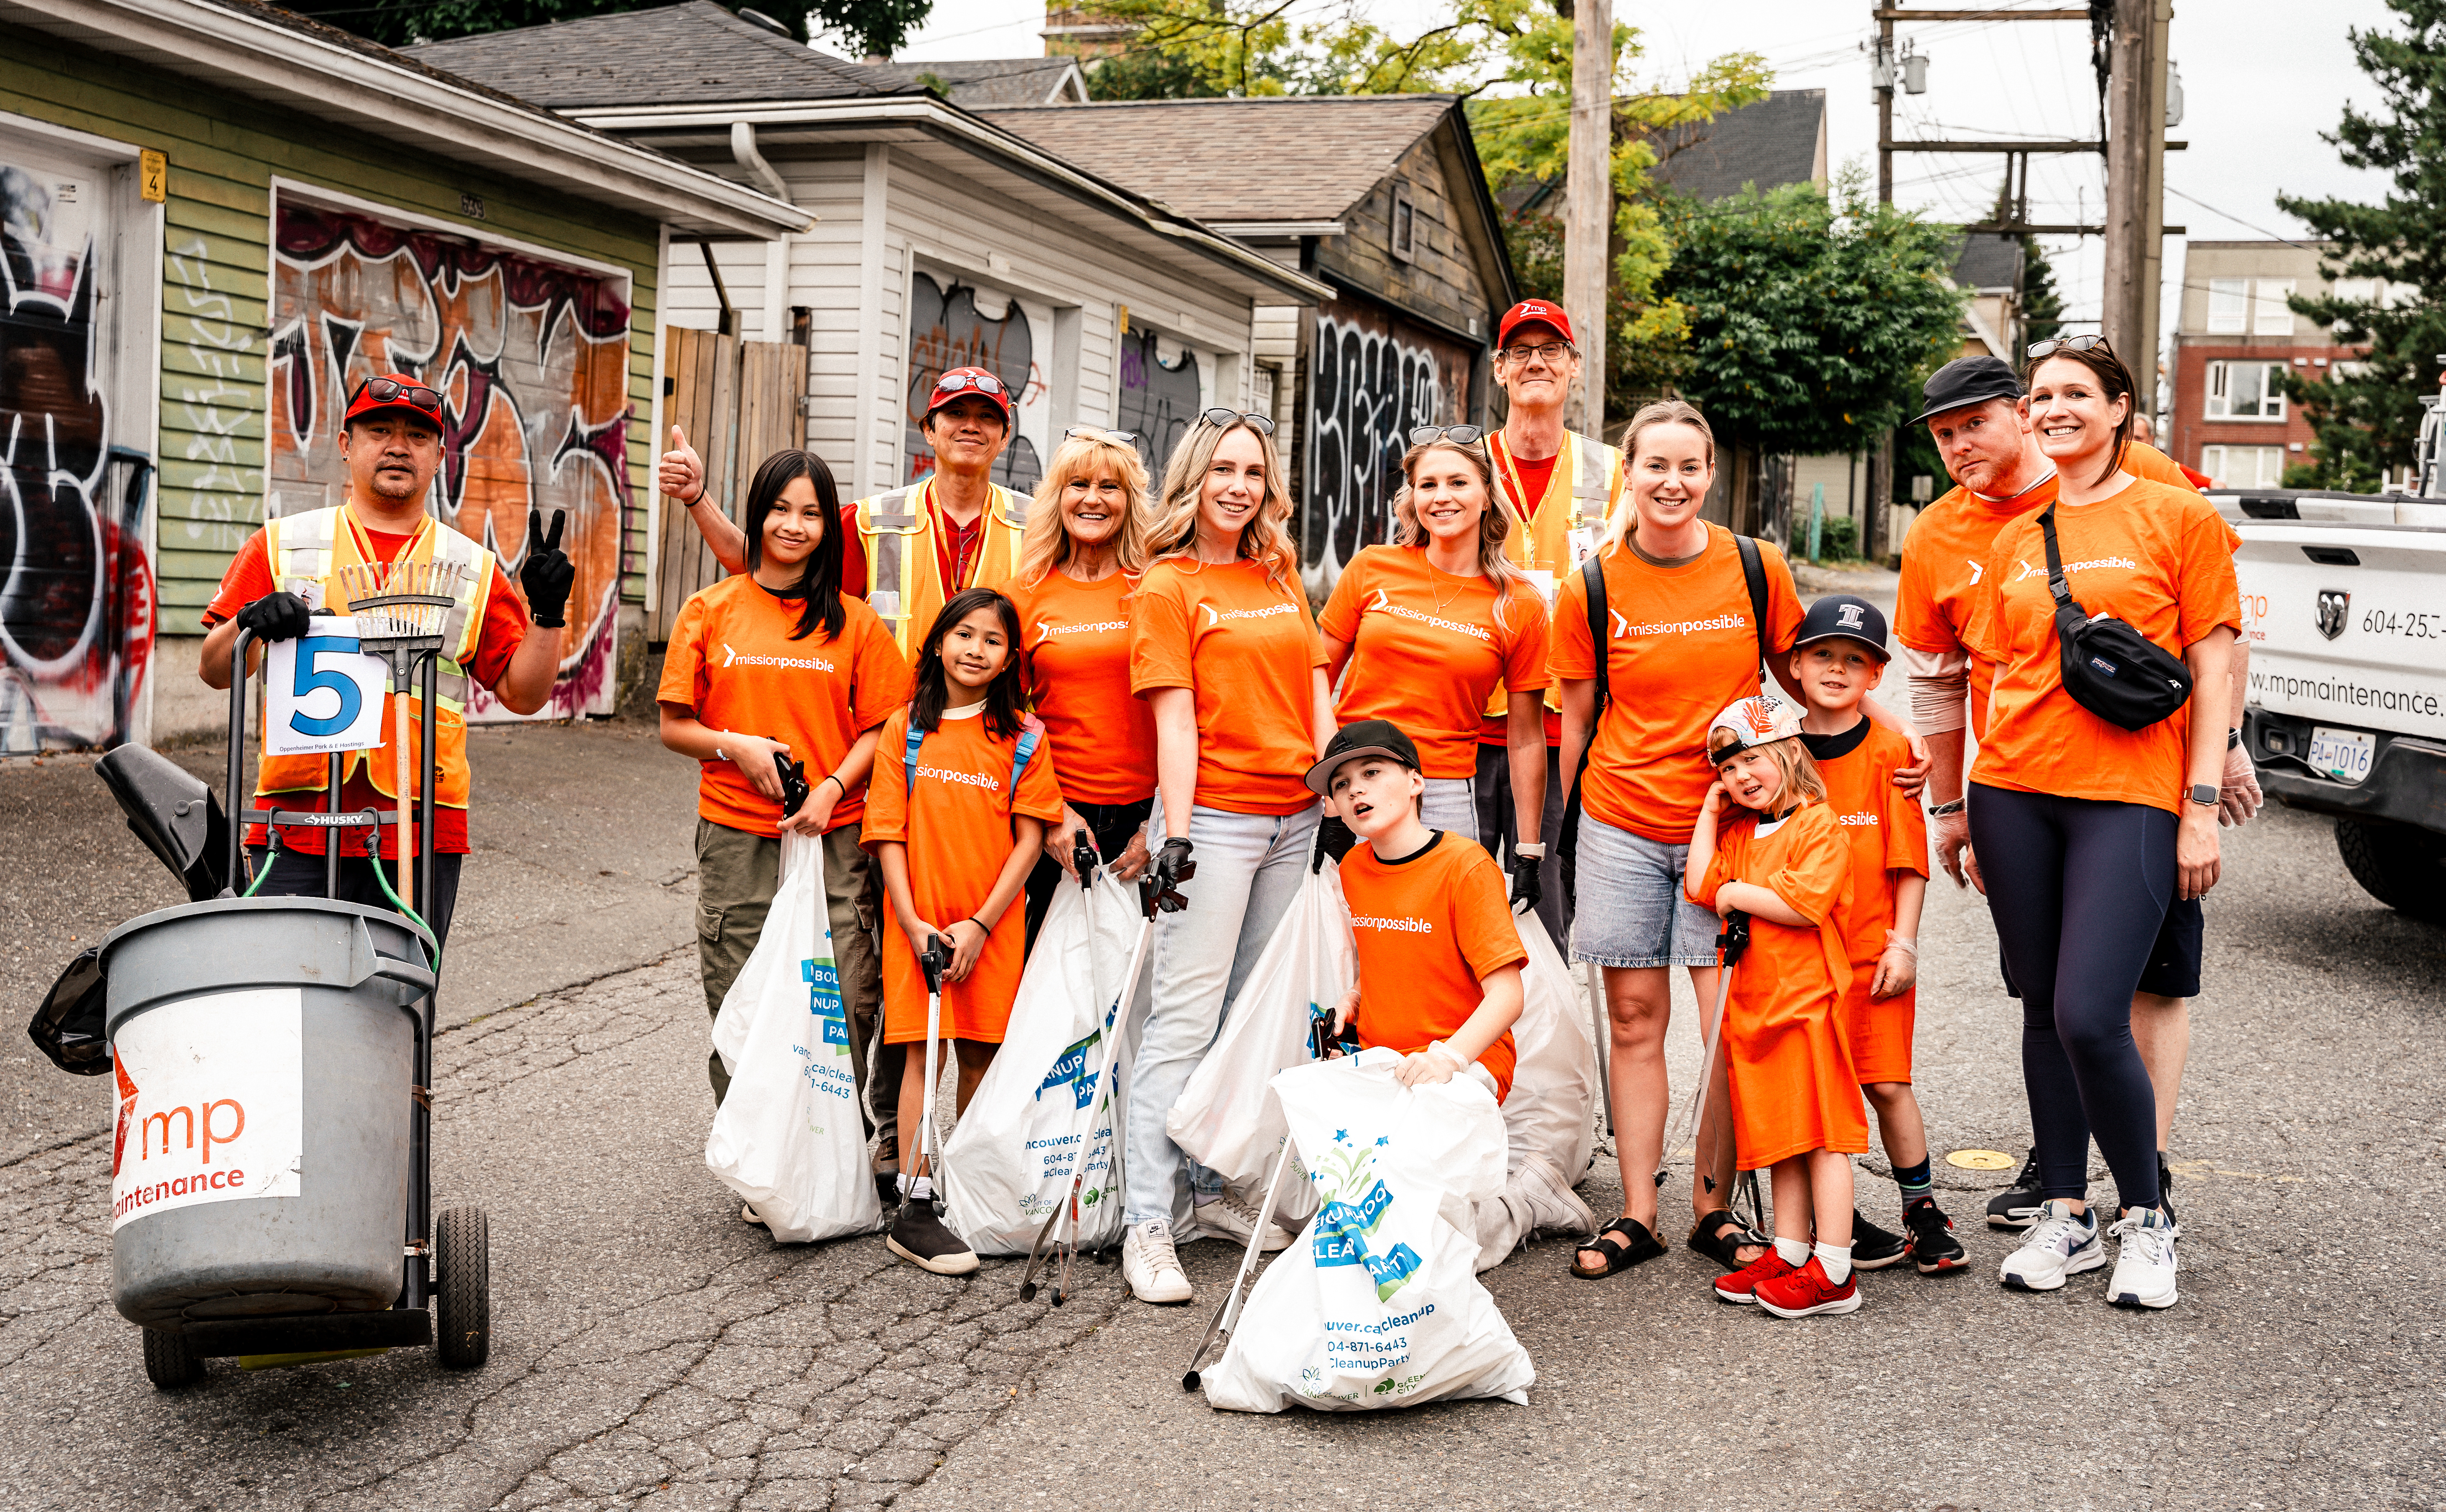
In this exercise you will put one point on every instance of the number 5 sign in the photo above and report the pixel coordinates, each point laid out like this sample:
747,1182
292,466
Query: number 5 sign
323,694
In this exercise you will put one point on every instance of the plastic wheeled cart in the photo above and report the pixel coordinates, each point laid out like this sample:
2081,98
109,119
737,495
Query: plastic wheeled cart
310,1021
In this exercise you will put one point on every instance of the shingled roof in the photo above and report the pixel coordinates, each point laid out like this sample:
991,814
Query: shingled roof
1238,161
692,51
1987,260
1770,142
984,82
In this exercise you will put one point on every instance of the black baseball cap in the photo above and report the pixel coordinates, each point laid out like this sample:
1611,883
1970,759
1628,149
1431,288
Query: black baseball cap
1367,737
1845,617
1968,381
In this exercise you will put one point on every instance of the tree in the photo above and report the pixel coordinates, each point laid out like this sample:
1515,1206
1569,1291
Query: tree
2042,301
869,27
1813,320
2367,416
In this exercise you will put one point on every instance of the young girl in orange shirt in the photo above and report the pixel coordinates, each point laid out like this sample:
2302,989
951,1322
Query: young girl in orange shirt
955,819
1780,858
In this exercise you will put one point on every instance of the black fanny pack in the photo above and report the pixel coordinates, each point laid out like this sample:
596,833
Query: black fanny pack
2109,668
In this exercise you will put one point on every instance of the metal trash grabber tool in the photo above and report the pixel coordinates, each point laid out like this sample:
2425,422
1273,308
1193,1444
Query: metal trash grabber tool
934,961
1729,946
1228,1315
1598,1023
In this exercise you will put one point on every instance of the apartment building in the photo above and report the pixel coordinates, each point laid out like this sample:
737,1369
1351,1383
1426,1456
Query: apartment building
2236,337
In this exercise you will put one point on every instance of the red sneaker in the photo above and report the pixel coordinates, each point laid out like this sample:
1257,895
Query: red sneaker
1806,1292
1741,1286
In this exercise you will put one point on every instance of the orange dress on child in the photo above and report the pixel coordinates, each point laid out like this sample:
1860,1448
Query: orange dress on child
1887,837
1790,1072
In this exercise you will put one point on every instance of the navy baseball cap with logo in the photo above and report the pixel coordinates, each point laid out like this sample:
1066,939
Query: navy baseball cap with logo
1845,617
1364,739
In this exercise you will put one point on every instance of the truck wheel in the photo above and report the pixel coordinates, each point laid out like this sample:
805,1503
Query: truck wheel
2402,868
169,1361
463,1310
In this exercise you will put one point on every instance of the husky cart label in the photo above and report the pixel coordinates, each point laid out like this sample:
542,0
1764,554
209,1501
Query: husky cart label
211,1102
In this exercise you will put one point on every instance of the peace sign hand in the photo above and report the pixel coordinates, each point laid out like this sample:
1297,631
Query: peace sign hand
547,574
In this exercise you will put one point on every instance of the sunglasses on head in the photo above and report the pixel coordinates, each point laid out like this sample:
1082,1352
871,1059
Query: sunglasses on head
1220,415
1092,433
1457,434
2067,343
982,383
391,391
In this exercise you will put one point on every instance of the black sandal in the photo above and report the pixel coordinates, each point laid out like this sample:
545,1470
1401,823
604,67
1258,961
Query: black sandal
1643,1246
1720,1235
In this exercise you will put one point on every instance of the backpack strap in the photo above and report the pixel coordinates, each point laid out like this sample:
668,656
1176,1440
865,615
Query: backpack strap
1592,577
908,761
1753,572
1031,735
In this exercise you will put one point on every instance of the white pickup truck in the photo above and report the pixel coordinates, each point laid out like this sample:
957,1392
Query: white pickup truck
2348,702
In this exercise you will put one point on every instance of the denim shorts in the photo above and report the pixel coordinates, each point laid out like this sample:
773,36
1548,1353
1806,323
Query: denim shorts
1631,911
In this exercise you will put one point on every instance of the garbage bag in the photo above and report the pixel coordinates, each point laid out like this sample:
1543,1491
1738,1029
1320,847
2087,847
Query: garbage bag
1379,1304
1549,1118
68,1025
1008,1163
788,1137
1226,1118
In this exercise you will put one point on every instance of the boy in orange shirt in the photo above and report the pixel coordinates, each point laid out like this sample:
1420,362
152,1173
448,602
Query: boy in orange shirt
1838,656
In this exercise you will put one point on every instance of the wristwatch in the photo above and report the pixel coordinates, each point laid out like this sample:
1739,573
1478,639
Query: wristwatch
2205,794
1938,810
2232,737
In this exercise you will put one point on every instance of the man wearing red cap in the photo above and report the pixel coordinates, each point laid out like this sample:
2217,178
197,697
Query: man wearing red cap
1560,486
293,568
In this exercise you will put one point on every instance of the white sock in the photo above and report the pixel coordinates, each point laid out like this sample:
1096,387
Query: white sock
921,1190
1795,1252
1837,1263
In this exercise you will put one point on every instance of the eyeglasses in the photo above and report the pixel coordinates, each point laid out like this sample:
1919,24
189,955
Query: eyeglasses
1457,434
1093,434
982,383
391,391
1551,353
1255,422
2067,343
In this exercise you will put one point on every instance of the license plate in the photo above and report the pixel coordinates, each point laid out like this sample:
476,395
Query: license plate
2343,755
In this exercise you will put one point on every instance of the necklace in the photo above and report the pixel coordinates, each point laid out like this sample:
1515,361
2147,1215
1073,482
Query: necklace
1461,585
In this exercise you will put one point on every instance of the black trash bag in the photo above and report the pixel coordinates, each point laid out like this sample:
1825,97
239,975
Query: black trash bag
68,1026
172,811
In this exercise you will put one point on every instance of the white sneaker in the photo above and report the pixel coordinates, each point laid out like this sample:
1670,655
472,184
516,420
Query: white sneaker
2145,1263
2058,1244
1228,1218
1553,1207
1150,1264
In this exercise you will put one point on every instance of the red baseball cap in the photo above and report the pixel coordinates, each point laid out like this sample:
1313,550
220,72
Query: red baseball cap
961,380
1529,312
403,391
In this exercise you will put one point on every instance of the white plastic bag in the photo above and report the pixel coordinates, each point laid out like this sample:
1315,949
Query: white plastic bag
1379,1303
1552,1109
1008,1163
1226,1118
788,1137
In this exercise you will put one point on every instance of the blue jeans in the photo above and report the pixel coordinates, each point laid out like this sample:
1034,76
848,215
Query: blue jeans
1632,912
1249,870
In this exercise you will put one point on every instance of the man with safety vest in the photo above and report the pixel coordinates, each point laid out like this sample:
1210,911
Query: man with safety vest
1560,487
295,568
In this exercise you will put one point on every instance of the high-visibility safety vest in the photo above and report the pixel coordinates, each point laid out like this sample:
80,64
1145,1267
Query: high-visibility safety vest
307,553
903,581
1563,527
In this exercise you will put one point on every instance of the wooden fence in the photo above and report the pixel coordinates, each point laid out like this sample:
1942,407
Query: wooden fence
738,402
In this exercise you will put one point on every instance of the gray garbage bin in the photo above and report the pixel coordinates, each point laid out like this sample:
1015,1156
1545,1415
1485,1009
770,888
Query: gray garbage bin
264,1056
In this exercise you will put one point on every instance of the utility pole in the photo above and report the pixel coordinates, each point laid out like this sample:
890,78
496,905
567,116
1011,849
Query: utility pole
1881,452
1587,189
2136,178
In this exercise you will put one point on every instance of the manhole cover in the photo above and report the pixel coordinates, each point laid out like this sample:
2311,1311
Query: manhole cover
1980,1159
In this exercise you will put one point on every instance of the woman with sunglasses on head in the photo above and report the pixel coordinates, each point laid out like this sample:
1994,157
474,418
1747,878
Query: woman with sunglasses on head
1085,550
1438,626
1223,652
2091,812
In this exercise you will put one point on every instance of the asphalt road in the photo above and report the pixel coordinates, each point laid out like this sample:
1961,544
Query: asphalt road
651,1348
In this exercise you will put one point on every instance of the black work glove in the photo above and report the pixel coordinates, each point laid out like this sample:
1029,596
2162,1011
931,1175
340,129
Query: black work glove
1525,887
1333,841
547,573
1173,867
277,616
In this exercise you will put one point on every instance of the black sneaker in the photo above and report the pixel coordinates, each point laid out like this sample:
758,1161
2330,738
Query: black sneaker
918,1237
1934,1248
1872,1248
2017,1208
2166,1192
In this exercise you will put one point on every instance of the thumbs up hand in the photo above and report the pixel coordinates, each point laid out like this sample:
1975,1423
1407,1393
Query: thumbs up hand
547,573
681,473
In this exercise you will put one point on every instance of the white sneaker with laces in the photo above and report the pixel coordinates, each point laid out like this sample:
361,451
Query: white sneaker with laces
1228,1218
1150,1264
2059,1245
2145,1263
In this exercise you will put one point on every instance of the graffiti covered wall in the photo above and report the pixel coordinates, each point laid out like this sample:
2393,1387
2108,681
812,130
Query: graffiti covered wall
960,325
76,586
532,360
1368,384
1159,399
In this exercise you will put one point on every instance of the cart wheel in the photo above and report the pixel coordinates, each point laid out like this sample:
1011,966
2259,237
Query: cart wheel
463,1312
169,1361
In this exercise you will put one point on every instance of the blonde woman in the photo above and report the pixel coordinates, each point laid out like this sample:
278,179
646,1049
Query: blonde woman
1429,627
1222,649
1080,565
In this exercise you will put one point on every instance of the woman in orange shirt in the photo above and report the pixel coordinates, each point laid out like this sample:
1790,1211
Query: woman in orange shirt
1222,649
1439,620
1080,563
963,791
2087,830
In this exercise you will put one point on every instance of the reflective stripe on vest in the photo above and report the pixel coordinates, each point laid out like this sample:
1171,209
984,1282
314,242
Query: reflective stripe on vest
904,582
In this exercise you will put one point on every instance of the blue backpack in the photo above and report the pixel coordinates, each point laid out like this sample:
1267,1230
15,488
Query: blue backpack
1031,733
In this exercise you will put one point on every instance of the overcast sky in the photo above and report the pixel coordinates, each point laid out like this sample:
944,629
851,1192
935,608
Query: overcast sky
2261,79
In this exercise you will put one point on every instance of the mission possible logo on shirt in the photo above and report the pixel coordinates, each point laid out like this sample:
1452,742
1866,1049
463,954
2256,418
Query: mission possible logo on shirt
1215,621
730,657
1384,605
1047,630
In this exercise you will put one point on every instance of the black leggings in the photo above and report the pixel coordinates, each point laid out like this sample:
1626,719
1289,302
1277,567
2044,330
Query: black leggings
1112,823
2077,889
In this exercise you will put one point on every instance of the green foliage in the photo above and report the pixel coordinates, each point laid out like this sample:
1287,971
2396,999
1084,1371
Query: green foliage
2042,301
1915,455
2367,417
1813,322
1146,74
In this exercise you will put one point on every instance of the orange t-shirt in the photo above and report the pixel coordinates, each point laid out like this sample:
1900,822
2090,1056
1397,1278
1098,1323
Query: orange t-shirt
1430,931
1683,648
1946,551
2156,556
731,660
1887,833
1076,636
957,827
1429,649
1245,646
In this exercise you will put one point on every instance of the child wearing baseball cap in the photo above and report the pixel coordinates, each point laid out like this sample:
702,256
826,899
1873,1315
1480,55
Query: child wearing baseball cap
1838,656
1776,853
1428,910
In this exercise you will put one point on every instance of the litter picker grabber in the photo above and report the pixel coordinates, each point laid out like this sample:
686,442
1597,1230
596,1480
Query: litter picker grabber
1597,1021
1228,1315
934,961
1734,938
